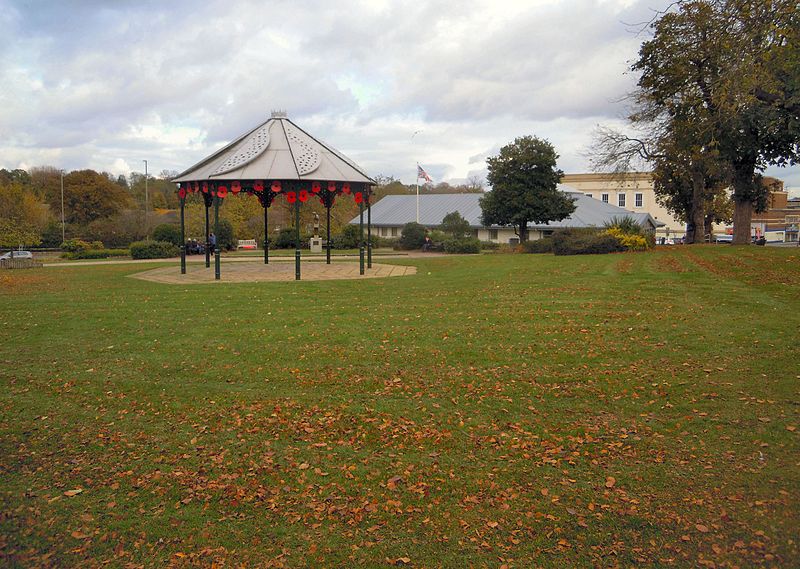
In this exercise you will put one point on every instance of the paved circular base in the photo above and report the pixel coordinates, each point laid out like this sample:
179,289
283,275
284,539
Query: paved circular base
247,272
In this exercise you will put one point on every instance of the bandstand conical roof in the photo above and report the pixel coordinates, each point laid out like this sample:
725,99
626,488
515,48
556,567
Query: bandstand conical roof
276,150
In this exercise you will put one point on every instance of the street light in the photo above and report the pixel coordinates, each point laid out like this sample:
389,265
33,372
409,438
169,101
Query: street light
63,238
147,232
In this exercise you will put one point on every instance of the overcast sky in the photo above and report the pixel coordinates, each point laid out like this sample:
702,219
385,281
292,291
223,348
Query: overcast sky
106,84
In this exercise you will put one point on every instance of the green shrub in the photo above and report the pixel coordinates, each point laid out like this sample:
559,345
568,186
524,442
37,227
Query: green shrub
167,232
225,238
463,245
286,239
412,236
348,238
490,245
153,250
96,254
543,245
76,245
584,242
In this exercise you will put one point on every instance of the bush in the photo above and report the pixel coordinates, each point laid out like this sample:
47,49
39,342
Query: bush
51,236
96,254
629,241
153,250
225,239
463,245
169,233
543,245
76,245
412,236
490,245
348,238
584,242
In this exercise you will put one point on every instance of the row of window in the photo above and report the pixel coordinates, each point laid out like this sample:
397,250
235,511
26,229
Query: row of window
638,199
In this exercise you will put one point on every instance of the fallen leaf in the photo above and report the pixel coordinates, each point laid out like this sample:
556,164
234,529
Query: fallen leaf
492,524
610,481
304,466
701,528
79,535
72,493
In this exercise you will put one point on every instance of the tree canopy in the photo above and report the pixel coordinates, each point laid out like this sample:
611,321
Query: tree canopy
524,179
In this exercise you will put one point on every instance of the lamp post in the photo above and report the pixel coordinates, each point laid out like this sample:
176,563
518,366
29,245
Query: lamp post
63,232
147,231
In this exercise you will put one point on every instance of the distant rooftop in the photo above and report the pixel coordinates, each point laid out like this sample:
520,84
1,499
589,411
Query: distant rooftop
401,209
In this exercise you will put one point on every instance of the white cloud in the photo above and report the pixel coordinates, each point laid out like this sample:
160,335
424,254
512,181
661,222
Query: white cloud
106,85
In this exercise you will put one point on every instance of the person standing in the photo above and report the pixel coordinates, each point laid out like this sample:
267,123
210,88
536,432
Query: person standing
212,240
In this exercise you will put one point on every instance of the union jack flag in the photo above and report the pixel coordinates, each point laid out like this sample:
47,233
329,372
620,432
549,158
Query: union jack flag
423,174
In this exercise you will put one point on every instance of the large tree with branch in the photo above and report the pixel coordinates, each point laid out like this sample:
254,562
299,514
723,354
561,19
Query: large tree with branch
718,99
524,179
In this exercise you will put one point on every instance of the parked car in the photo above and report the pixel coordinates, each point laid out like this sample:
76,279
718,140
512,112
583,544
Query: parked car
17,255
246,244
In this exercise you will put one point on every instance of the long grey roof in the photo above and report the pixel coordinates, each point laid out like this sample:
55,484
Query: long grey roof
277,149
401,209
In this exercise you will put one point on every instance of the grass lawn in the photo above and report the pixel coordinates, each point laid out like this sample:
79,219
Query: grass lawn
495,410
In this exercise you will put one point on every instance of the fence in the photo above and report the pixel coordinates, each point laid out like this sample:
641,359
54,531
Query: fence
20,264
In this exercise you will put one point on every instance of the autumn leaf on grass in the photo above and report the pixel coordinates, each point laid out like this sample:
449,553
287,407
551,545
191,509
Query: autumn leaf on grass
610,481
79,535
398,561
392,483
72,493
701,528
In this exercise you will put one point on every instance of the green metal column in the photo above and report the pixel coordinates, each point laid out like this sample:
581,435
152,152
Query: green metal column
216,235
361,238
208,253
183,239
297,240
266,235
328,242
369,232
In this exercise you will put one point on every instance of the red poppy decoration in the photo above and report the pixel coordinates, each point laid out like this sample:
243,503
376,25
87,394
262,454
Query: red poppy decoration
316,187
205,188
321,201
222,191
303,196
258,186
358,197
331,186
182,193
291,197
346,188
276,186
236,187
196,187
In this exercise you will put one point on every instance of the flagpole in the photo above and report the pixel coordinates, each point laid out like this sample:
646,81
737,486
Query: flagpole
417,192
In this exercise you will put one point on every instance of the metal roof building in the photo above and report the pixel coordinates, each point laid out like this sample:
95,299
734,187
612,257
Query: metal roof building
396,211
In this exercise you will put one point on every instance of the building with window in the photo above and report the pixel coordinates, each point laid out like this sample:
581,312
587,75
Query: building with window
633,192
391,213
781,221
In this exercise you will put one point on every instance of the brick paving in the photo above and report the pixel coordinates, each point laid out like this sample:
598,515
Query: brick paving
249,272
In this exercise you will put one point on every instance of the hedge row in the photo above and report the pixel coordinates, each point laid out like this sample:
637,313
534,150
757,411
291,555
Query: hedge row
153,250
96,254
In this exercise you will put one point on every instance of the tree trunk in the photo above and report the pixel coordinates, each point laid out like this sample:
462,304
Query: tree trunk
696,226
743,203
523,232
742,218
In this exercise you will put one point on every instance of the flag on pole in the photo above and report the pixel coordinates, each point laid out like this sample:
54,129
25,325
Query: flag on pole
423,174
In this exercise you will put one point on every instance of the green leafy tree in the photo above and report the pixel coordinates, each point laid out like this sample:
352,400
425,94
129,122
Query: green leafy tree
412,236
729,69
455,225
168,232
89,196
23,216
524,180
